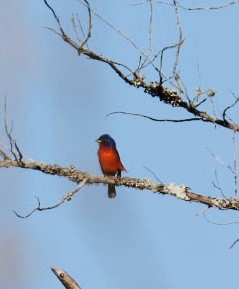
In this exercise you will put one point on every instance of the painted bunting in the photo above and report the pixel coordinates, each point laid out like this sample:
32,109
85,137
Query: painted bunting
109,159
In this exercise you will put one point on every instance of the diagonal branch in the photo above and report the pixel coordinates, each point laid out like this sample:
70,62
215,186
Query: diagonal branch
67,281
68,197
155,89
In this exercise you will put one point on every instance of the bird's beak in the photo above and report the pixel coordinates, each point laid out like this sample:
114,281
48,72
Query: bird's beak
98,140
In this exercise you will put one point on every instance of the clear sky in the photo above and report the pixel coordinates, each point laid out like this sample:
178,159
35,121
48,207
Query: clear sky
58,103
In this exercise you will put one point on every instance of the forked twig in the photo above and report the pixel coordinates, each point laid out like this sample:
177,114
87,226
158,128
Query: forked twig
155,89
13,144
85,41
67,197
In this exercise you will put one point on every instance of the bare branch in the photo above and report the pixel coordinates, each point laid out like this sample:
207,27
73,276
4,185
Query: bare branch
153,174
4,155
161,53
233,244
231,168
203,211
154,119
181,192
218,186
202,8
67,197
155,89
13,144
38,208
67,281
220,224
89,25
124,35
224,114
235,163
150,30
180,38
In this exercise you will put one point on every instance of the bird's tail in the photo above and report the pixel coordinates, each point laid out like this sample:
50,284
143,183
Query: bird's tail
111,191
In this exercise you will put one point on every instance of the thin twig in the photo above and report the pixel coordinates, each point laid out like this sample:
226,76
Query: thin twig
85,41
160,52
235,162
67,197
4,155
220,160
218,186
220,224
224,115
13,144
203,211
156,177
150,30
232,169
154,119
140,3
81,28
202,8
74,24
124,35
180,38
234,243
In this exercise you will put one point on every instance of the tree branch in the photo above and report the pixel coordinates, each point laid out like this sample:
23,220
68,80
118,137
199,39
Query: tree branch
155,89
67,281
181,192
202,8
152,118
68,197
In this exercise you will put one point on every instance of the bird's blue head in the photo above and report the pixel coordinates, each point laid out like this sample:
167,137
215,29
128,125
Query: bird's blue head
106,140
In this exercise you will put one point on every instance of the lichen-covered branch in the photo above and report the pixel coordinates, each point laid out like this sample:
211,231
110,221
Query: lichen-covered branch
175,97
181,192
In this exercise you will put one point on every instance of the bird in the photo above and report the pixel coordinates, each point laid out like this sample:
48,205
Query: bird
109,159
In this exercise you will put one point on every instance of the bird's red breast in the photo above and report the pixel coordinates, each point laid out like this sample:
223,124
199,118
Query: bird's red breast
109,160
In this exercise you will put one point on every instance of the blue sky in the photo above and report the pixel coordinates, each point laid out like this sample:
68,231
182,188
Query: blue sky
58,102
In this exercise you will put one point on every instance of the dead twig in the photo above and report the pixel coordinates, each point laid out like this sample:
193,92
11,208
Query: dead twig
233,244
224,114
155,89
13,144
220,224
4,155
68,197
202,8
67,281
85,41
153,174
151,118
